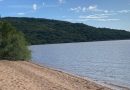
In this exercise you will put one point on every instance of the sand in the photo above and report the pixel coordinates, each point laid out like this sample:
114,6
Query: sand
22,75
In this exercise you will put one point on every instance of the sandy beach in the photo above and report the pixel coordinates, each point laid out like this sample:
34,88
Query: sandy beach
22,75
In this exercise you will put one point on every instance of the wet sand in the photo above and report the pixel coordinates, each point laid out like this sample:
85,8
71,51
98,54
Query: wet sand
22,75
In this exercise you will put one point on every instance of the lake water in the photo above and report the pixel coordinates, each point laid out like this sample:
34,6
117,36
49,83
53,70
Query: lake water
105,61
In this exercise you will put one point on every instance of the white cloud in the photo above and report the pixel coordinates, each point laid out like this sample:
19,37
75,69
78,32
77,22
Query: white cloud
92,8
98,19
123,11
95,16
61,1
106,11
84,9
34,7
49,6
21,13
77,9
107,19
95,9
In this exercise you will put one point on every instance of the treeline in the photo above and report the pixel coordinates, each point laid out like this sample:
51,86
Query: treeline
45,31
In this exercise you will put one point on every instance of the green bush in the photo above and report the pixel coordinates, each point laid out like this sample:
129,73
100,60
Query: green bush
13,45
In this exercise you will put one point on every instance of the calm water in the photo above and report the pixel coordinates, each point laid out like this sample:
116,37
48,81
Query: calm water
106,61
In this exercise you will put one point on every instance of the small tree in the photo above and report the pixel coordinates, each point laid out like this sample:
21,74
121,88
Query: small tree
13,45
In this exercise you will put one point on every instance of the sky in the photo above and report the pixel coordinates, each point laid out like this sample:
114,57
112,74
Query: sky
99,13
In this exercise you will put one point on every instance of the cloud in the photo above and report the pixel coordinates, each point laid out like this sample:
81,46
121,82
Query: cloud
77,9
26,12
91,8
34,7
61,1
21,13
100,14
84,9
98,19
48,6
107,19
95,16
123,11
95,9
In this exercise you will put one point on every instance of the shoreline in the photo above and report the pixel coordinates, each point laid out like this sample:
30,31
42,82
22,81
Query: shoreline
82,42
22,75
110,85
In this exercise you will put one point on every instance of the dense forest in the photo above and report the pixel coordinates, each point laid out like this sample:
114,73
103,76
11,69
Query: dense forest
46,31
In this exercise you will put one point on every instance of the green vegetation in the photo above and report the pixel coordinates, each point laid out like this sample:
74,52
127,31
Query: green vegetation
45,31
12,43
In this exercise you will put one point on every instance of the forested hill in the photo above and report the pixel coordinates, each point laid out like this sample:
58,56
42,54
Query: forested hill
45,31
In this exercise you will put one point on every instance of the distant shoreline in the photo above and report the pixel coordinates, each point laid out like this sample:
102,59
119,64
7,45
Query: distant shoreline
21,75
83,42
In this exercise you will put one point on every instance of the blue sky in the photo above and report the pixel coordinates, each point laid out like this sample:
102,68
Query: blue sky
99,13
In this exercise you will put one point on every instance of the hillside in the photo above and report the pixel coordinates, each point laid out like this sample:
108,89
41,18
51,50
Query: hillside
45,31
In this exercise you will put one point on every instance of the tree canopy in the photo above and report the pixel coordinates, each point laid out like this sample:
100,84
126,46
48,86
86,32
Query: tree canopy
46,31
13,45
